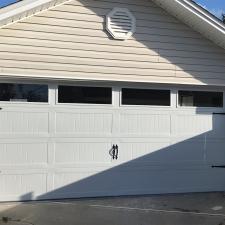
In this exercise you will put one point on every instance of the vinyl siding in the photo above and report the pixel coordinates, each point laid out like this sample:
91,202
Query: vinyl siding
70,41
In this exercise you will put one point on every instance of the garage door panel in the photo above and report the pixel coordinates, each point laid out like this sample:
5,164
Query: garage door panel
85,123
169,181
13,123
23,154
61,149
22,186
218,127
215,151
82,152
141,124
117,181
140,151
184,150
81,180
161,152
191,125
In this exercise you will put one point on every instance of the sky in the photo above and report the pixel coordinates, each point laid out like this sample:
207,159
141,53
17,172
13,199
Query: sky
217,7
6,2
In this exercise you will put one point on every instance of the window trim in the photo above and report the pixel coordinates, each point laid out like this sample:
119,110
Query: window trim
57,103
26,82
199,107
146,106
116,94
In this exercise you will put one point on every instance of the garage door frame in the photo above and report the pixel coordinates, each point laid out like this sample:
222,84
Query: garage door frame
53,105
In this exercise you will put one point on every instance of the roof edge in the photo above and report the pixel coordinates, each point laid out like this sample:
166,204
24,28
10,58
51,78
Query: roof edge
197,18
202,13
24,9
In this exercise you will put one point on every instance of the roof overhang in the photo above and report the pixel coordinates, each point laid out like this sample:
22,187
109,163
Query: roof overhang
24,9
196,17
185,10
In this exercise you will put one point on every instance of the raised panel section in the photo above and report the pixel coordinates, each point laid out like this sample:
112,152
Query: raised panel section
70,181
192,125
145,150
145,124
218,127
161,152
92,182
134,180
215,151
18,122
191,150
23,154
76,152
83,123
22,186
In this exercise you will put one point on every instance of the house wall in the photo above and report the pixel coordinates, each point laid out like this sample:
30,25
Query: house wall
70,41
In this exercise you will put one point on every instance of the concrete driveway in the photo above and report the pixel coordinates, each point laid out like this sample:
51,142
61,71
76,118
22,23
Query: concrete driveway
182,209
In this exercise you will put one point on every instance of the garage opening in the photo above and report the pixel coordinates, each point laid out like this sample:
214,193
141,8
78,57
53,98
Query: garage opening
57,139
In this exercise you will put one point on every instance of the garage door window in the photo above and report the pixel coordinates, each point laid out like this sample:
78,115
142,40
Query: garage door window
84,95
152,97
23,92
200,98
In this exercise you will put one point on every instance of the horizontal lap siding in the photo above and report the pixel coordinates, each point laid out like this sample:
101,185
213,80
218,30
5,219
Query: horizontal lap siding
70,41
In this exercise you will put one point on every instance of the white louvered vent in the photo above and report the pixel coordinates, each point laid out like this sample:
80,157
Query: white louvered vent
120,23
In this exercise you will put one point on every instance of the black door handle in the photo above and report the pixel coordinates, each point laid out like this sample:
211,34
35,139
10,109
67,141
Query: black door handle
116,152
222,166
112,151
218,113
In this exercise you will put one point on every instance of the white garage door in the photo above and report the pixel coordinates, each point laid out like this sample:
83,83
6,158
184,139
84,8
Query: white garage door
65,141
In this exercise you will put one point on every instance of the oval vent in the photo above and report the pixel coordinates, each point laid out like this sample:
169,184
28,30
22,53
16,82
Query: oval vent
120,23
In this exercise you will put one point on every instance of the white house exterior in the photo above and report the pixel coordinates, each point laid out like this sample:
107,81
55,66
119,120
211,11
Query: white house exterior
86,114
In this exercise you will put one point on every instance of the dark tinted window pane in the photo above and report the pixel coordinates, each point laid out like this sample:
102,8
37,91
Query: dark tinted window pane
80,94
23,92
145,97
200,98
